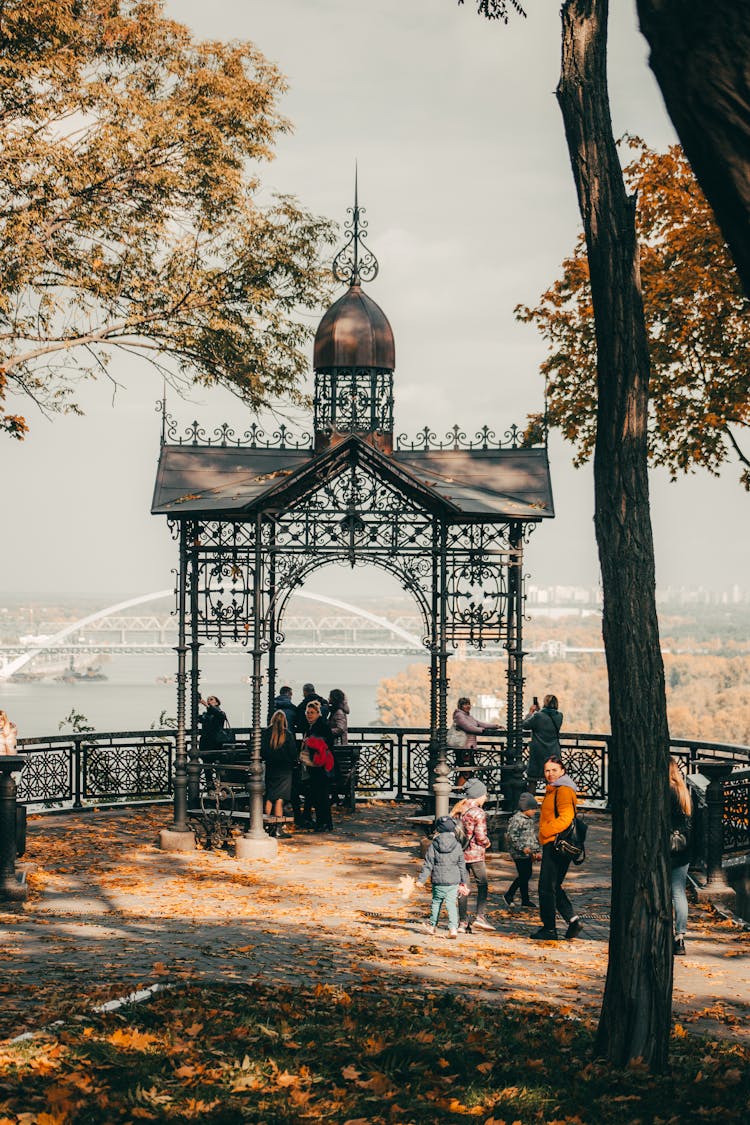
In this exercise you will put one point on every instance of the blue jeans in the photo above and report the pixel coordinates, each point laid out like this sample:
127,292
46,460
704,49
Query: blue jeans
448,895
679,899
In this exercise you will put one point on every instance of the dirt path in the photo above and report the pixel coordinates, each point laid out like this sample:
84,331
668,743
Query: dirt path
108,913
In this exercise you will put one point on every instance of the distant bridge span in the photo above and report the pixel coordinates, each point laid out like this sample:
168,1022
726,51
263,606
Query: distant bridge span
13,666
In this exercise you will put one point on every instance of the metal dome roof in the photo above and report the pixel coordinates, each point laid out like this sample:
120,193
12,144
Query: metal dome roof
354,333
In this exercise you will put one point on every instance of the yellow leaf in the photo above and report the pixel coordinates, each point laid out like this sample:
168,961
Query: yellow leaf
133,1040
287,1079
351,1073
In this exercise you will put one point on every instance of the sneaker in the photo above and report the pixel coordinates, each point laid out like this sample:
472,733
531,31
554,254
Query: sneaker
574,928
452,933
429,928
464,928
483,924
543,934
508,901
528,905
678,948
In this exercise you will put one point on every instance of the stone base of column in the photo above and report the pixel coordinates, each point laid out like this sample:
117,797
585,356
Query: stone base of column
12,889
718,894
248,847
170,840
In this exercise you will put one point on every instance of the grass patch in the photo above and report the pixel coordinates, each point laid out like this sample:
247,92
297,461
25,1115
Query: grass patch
277,1056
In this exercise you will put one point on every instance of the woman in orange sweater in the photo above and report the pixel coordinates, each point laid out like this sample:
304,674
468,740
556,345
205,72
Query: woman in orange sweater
558,810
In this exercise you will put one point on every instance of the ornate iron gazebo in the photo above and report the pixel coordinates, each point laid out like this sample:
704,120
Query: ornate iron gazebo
254,515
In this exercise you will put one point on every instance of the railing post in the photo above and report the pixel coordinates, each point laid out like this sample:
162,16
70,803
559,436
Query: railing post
77,772
399,766
717,889
10,887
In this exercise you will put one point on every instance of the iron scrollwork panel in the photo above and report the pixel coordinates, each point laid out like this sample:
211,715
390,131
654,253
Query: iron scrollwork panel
354,399
225,554
736,820
417,764
376,770
358,513
47,776
126,770
477,589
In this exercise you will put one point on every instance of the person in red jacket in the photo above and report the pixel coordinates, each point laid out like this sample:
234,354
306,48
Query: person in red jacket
317,756
557,813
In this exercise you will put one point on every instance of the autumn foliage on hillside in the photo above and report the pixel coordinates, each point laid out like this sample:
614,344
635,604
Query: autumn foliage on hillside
708,697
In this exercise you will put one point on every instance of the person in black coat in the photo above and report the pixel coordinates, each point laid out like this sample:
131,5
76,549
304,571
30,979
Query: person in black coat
212,722
317,757
309,695
283,702
278,749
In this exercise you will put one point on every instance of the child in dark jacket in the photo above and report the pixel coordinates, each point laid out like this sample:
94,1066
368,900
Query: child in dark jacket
444,863
523,845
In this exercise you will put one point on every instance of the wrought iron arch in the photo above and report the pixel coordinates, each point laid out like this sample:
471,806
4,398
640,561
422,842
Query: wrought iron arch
278,607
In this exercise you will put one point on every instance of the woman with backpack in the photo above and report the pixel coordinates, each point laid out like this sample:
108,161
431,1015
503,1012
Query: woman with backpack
557,814
680,850
544,725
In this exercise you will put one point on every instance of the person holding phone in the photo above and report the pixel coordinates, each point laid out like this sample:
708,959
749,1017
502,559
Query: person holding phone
544,724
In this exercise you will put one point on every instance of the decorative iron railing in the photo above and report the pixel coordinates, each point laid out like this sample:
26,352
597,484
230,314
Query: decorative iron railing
77,770
456,438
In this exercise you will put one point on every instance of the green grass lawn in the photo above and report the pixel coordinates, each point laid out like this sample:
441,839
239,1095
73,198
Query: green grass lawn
279,1055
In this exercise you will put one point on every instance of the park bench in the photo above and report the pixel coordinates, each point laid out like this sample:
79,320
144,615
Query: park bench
344,782
225,804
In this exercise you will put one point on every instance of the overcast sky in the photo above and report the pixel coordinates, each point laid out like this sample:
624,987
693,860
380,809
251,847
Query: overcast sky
471,207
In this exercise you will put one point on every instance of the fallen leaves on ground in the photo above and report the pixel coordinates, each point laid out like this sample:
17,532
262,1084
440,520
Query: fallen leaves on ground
288,1055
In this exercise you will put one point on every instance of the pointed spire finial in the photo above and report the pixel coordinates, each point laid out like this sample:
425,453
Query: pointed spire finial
354,262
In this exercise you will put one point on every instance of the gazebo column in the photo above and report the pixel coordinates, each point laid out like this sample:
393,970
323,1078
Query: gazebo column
178,837
256,843
434,665
271,633
512,771
193,765
441,785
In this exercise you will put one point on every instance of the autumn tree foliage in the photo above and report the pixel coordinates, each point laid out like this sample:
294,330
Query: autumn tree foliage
696,318
129,207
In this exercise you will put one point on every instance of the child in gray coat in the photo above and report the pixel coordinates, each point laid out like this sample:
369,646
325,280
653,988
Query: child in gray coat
444,863
523,845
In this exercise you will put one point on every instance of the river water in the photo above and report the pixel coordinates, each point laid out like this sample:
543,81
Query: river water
132,698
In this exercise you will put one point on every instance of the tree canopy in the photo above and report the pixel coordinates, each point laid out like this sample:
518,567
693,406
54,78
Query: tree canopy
129,207
697,321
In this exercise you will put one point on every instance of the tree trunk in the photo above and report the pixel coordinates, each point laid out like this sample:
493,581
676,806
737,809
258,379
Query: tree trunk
636,1011
700,55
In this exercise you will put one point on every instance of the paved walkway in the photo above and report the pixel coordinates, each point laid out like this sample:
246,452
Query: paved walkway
108,913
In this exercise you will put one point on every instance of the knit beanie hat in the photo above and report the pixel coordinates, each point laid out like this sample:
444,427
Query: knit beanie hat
445,824
474,789
527,801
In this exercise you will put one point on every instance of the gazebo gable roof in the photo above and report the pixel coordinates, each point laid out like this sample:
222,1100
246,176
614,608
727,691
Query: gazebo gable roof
339,458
